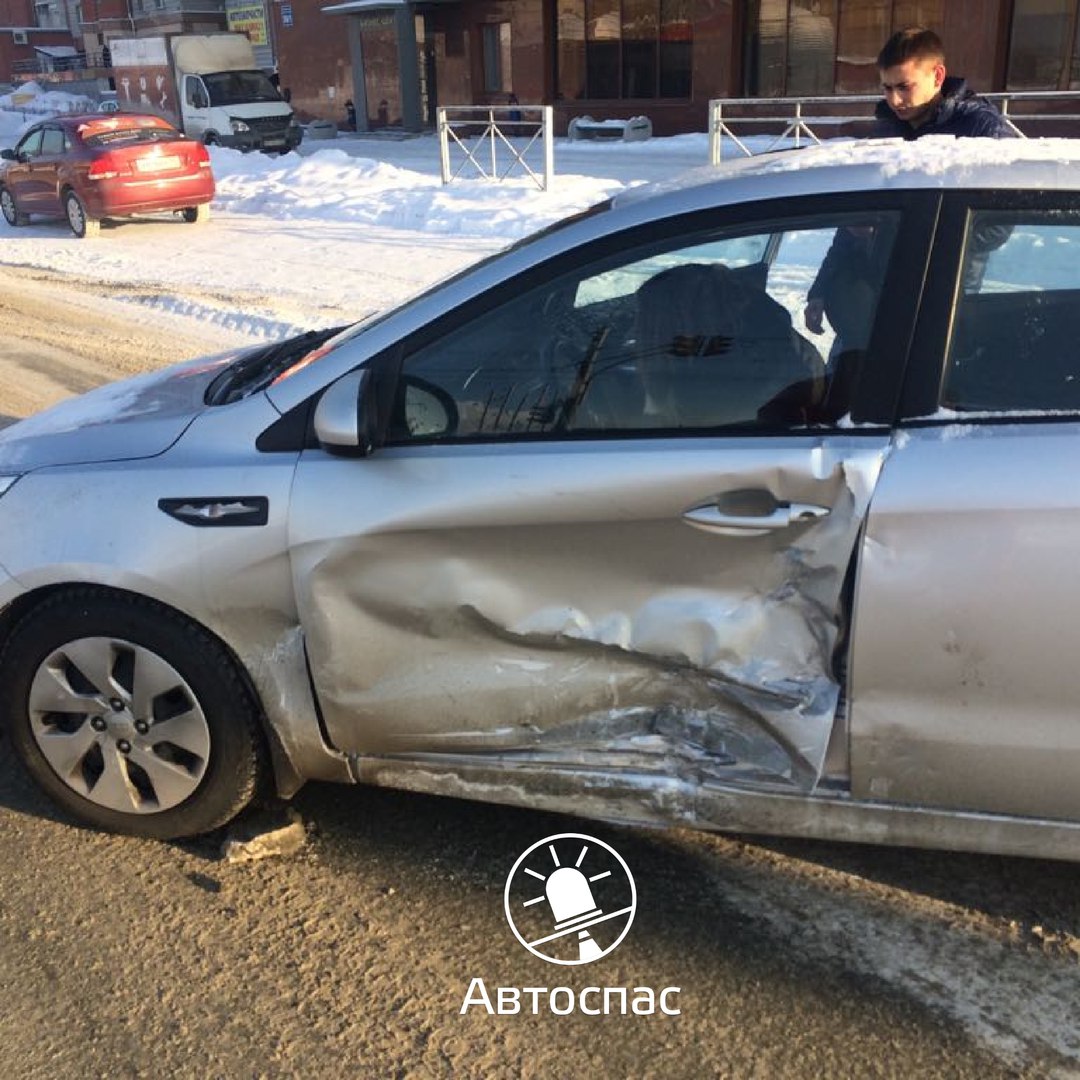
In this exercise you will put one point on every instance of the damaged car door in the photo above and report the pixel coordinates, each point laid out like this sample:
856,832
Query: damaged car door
610,509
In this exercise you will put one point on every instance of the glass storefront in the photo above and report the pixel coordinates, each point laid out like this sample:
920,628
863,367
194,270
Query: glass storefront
805,47
612,50
623,49
1043,46
809,47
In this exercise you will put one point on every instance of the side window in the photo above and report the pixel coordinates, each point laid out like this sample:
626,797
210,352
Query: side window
31,145
1015,342
195,93
52,141
699,335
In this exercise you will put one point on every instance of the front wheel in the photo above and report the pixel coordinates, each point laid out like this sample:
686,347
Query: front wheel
130,717
12,214
82,224
196,214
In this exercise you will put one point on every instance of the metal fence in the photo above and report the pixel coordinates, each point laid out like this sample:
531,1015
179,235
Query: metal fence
802,120
495,141
44,64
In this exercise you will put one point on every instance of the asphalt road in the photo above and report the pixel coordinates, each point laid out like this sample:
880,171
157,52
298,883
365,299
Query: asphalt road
354,955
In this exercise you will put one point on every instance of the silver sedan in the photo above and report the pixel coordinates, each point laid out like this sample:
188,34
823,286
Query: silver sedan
744,503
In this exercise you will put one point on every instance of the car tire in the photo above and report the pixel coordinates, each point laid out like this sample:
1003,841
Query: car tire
131,717
196,214
12,214
82,224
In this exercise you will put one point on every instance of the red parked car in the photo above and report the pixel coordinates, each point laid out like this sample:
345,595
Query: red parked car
86,168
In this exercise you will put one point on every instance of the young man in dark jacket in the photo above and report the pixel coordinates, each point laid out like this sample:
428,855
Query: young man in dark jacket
920,99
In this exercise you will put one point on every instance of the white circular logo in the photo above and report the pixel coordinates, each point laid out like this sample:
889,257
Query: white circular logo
570,899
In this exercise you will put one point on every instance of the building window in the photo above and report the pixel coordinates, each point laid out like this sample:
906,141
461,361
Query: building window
613,49
602,33
676,41
803,48
570,45
496,51
49,16
1044,49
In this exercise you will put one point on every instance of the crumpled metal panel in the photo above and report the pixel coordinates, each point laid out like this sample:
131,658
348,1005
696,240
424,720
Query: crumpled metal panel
278,671
586,624
645,799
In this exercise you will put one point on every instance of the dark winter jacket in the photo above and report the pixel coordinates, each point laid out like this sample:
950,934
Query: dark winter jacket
959,112
849,281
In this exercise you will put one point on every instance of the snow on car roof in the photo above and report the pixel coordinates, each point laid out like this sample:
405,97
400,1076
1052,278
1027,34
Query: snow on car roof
869,164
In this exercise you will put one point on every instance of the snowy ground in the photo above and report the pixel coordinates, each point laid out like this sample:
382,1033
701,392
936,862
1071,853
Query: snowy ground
334,232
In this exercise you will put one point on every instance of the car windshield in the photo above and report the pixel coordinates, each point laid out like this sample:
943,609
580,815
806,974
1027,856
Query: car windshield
239,87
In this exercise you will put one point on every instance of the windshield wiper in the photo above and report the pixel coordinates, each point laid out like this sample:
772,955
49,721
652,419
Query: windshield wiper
260,368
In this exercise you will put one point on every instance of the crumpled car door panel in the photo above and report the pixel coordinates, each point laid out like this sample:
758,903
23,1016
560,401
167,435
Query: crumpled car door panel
562,600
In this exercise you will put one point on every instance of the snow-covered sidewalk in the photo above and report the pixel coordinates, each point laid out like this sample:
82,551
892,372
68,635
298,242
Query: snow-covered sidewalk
332,233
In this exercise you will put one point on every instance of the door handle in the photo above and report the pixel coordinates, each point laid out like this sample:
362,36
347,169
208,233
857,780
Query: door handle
714,519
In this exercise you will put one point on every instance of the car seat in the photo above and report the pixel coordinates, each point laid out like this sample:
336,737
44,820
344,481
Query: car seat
714,350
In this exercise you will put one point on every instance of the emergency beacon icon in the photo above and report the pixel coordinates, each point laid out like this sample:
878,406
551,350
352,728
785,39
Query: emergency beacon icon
570,899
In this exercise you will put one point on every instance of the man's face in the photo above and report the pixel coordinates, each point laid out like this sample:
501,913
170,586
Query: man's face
911,88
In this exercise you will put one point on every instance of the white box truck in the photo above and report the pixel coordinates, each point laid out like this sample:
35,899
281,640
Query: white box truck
208,85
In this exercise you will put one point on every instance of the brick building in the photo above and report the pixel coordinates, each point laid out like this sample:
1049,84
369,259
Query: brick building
398,59
661,58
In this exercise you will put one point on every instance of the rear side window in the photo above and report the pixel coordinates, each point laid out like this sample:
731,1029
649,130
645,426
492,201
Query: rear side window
52,141
1015,344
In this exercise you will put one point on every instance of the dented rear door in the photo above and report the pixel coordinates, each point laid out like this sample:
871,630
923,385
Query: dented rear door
965,679
615,513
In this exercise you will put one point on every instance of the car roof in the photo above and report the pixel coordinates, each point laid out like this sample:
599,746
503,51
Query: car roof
935,161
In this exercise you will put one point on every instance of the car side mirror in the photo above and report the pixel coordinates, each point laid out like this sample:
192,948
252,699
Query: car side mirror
346,418
9,155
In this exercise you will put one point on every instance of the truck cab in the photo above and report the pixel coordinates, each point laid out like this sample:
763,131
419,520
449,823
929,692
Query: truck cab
240,109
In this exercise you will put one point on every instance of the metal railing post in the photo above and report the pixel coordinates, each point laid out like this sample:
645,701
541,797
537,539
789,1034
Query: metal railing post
548,120
716,131
444,143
